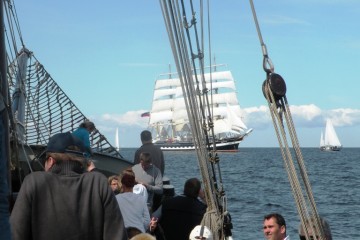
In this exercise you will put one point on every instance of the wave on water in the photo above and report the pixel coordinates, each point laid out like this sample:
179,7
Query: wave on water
256,184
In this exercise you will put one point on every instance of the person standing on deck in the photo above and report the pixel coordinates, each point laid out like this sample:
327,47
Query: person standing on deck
134,208
156,153
83,133
275,227
179,215
114,184
65,201
149,176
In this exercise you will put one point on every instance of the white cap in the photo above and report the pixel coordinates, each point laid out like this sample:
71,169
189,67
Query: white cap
201,233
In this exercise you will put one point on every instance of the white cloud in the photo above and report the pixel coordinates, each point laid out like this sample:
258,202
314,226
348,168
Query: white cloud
254,117
257,117
306,118
308,112
344,116
131,118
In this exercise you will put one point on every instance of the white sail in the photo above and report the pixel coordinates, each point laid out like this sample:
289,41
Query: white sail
330,140
322,142
235,117
161,117
117,144
164,93
331,137
167,83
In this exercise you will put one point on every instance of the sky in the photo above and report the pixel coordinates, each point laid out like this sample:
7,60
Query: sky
106,56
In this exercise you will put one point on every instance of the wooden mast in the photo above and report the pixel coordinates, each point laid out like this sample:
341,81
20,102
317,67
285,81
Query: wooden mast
4,136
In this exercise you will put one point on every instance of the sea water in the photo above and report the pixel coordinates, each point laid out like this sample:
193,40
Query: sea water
256,184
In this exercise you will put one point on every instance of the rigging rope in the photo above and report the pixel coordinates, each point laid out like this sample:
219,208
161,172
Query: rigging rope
45,109
188,61
274,90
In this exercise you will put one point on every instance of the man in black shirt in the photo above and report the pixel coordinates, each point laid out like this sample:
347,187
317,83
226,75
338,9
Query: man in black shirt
180,214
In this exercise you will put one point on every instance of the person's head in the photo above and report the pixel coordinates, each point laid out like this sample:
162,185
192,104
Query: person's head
143,236
64,147
145,160
192,187
201,233
122,173
88,125
325,226
128,180
114,183
274,227
145,136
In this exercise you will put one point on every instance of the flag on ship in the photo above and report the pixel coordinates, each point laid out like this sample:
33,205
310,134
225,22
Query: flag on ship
145,114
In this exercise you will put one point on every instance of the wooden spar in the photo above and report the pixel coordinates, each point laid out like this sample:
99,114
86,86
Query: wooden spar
4,136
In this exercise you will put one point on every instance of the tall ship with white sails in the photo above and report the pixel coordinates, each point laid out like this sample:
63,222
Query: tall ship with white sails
169,121
329,140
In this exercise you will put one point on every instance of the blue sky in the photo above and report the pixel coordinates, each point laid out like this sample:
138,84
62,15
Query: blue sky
106,56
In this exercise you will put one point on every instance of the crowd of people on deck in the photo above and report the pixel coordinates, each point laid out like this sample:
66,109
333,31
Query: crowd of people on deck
72,199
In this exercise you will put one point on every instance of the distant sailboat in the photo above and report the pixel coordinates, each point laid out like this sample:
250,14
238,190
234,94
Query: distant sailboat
329,141
117,144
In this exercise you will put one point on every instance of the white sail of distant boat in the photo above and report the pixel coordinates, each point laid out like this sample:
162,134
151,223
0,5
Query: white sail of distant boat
117,144
169,120
329,141
322,143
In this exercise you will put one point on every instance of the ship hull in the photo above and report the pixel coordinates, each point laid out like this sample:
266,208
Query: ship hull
330,148
227,146
105,163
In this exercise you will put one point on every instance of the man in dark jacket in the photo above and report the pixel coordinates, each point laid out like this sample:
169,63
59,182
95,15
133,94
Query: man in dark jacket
64,202
180,214
156,153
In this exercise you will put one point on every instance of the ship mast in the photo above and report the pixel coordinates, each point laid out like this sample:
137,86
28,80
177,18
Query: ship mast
188,52
4,136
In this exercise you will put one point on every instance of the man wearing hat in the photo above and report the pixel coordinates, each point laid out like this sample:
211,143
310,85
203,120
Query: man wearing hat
64,202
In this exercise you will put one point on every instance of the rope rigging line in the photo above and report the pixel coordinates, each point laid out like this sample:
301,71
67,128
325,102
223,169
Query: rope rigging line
188,62
38,106
274,90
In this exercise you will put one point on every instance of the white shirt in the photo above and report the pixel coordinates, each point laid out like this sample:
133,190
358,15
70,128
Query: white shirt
141,190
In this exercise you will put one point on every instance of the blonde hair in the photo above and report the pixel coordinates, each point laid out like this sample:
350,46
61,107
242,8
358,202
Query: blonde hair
113,177
116,178
143,236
